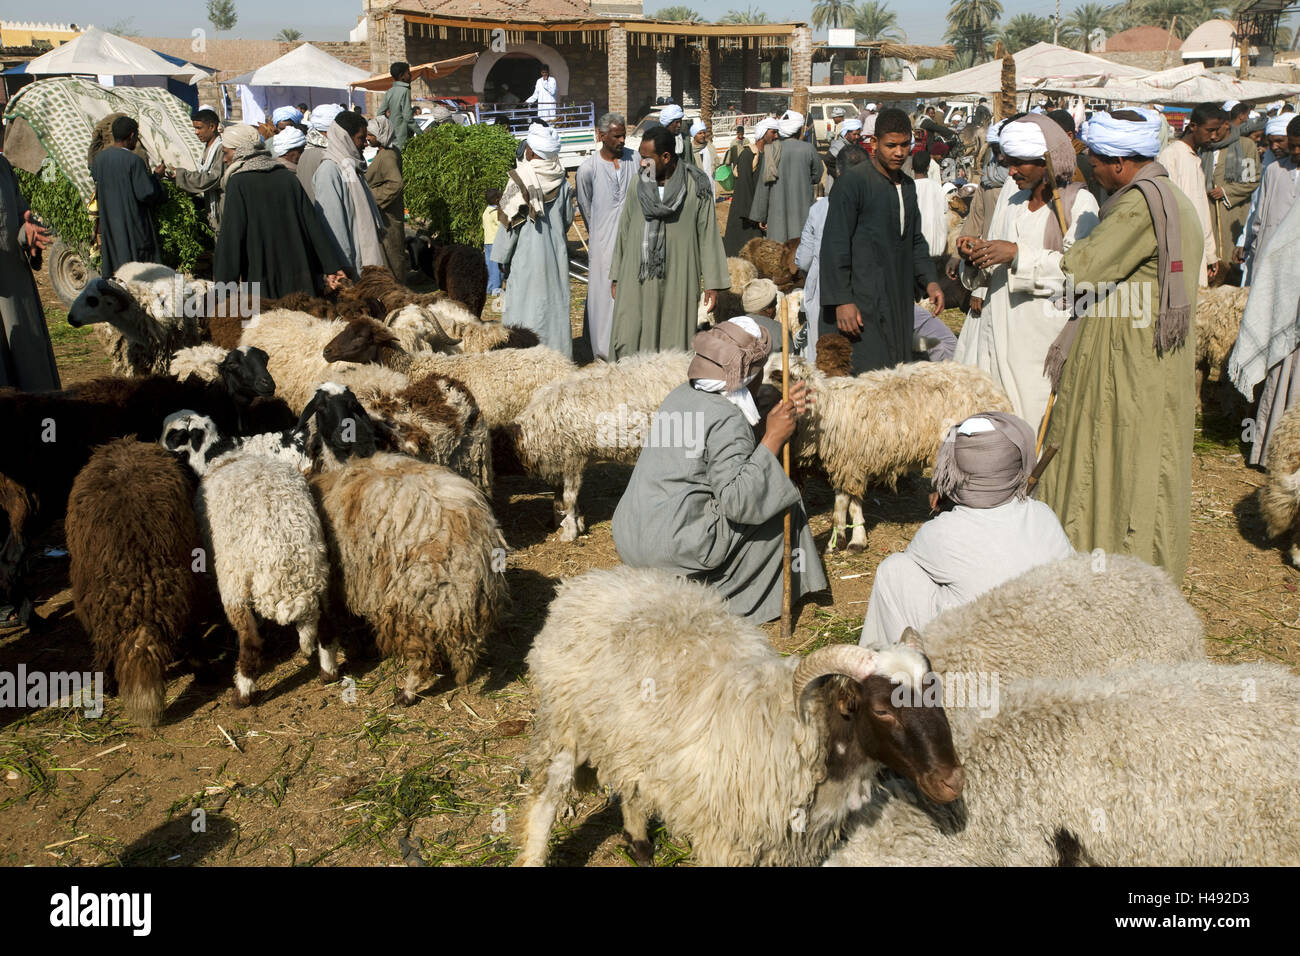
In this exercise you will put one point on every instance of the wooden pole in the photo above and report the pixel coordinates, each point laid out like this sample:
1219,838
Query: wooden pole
1169,41
787,584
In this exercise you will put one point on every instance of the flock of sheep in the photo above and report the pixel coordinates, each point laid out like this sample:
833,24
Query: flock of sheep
332,461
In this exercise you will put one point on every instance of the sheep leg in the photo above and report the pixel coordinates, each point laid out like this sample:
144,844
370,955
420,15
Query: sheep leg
249,664
537,833
841,518
571,522
636,820
858,541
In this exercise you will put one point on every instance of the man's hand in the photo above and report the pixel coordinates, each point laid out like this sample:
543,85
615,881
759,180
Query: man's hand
763,226
1239,254
710,300
951,268
976,305
160,169
966,246
613,289
935,295
1212,271
38,237
332,281
995,252
1216,193
782,418
848,318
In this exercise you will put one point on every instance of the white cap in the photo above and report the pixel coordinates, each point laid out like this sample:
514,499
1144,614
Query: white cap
544,140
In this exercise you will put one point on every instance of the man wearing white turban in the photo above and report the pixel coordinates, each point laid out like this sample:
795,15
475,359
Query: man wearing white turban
702,146
1123,369
322,117
671,118
1275,138
535,214
287,147
1019,263
788,173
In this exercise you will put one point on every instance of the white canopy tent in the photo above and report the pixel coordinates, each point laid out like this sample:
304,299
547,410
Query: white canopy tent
1183,85
116,61
303,75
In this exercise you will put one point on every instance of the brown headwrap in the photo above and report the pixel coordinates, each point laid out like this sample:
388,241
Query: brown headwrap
988,468
729,353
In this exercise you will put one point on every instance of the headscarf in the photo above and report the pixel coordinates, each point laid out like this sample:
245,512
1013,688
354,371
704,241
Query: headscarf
757,295
735,350
251,154
382,130
367,224
1234,165
1277,124
669,113
986,460
288,138
290,113
850,125
1107,136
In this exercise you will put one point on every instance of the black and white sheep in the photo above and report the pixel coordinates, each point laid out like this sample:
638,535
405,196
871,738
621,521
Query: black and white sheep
415,551
1189,764
649,683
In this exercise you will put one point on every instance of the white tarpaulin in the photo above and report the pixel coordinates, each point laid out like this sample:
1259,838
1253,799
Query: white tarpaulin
303,75
1190,84
96,53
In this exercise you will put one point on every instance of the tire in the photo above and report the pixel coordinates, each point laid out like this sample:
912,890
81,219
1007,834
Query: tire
69,273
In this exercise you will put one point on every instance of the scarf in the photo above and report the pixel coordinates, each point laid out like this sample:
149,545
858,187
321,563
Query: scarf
214,147
986,460
382,130
656,211
1053,238
251,154
529,187
367,222
1152,180
736,350
993,175
771,162
1232,159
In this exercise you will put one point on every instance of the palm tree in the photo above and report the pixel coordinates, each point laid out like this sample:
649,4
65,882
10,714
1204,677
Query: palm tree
832,13
873,20
971,22
1024,30
678,13
748,15
289,35
1079,25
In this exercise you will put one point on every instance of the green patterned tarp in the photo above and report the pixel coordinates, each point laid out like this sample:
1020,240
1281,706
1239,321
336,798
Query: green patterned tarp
63,111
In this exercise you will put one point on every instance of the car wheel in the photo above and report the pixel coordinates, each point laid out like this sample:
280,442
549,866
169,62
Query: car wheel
69,272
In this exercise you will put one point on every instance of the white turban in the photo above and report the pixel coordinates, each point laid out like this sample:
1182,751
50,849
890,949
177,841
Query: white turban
850,125
871,107
1277,106
240,136
994,134
322,117
790,123
669,113
698,127
286,113
869,125
949,188
1023,140
765,124
544,140
291,137
1254,114
1107,136
1229,104
1277,124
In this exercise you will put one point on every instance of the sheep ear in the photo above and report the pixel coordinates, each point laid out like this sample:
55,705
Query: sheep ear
309,410
912,638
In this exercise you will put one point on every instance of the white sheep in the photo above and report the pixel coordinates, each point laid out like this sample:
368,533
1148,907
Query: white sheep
1279,497
601,412
1062,619
876,427
268,550
649,683
1218,319
417,553
1189,764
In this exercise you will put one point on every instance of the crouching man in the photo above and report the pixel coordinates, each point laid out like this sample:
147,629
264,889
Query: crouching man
993,533
707,497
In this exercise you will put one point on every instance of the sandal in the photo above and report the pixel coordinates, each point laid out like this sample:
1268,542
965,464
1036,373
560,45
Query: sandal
9,618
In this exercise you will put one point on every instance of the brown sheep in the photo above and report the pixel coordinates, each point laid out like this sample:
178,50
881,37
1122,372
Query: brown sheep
834,355
132,541
377,282
773,260
461,272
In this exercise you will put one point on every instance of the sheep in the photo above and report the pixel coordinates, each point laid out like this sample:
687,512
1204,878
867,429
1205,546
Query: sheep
415,329
461,272
834,355
1218,319
650,684
1189,764
1279,497
49,437
742,272
502,381
1061,619
474,335
600,412
259,523
773,260
417,553
378,282
132,540
906,409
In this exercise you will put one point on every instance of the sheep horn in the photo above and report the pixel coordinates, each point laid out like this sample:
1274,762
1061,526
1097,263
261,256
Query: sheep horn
848,659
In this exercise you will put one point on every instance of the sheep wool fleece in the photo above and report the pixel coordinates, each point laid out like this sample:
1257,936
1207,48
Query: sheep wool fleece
537,289
705,500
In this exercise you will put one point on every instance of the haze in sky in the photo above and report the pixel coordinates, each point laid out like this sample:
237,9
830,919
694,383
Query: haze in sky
921,20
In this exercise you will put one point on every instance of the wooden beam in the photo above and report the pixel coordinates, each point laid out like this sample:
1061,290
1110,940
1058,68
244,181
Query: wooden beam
666,28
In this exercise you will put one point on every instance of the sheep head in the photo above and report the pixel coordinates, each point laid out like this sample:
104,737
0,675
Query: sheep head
364,341
878,708
340,427
245,375
106,300
194,438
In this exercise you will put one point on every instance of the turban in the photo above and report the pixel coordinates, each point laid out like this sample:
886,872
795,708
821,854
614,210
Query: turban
1277,124
1050,140
670,113
850,125
698,127
758,295
986,460
288,138
1107,136
544,140
735,350
765,124
1229,104
240,137
871,107
790,123
286,113
1023,141
869,125
949,188
381,129
322,117
1277,106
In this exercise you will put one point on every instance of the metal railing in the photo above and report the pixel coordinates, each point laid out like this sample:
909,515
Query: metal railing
518,116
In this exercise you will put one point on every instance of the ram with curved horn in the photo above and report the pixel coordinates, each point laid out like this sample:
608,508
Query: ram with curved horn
648,684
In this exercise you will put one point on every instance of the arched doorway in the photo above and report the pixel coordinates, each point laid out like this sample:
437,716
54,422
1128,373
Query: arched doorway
512,78
516,68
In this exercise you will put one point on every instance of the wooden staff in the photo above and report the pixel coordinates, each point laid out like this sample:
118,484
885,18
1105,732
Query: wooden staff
787,584
1053,200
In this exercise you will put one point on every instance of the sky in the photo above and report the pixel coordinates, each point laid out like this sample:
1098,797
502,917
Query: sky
922,20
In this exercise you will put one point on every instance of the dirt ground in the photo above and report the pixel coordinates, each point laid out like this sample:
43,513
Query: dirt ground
330,775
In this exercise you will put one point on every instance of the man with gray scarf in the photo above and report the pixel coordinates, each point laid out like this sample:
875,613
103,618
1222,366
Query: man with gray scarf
1231,166
994,531
668,248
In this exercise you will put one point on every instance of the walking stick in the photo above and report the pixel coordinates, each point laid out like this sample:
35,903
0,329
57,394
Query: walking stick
1054,200
787,585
